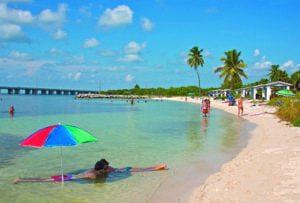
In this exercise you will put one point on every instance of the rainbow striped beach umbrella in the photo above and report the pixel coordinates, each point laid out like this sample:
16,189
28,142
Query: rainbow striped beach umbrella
285,93
58,136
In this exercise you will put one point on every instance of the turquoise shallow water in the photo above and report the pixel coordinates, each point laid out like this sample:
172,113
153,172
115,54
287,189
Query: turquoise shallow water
141,135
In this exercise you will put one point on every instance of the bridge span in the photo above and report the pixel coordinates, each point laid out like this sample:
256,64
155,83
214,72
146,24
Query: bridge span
44,91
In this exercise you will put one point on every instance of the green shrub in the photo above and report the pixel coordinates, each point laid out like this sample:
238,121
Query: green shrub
297,122
290,109
247,97
273,101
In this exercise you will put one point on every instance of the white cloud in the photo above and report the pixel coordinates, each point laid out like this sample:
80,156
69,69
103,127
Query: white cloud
134,48
3,45
288,64
21,64
130,58
147,25
116,69
183,54
56,52
13,33
14,16
129,78
296,68
85,10
263,64
59,34
290,67
178,71
106,52
19,56
16,1
77,76
50,20
256,52
90,43
75,60
208,54
93,62
215,67
118,17
78,21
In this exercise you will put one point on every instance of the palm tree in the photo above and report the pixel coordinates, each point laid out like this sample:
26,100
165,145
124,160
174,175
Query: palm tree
273,73
196,60
295,77
233,67
282,76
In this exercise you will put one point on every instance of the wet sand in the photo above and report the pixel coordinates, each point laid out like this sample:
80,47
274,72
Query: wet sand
267,170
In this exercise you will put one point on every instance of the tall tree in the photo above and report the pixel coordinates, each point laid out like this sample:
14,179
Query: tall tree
273,75
282,76
233,67
195,60
295,77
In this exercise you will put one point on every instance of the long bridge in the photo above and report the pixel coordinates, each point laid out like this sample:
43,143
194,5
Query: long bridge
45,91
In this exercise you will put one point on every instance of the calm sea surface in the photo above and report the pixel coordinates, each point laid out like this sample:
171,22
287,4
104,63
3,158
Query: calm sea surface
145,134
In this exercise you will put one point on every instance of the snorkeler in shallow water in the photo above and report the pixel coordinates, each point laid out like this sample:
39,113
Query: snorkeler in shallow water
101,166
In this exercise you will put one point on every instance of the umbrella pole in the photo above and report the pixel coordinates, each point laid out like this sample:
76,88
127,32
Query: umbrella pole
61,166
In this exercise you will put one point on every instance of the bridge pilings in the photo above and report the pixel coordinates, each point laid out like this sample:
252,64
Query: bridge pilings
44,91
27,91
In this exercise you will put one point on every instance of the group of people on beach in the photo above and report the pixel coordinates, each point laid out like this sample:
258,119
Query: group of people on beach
205,106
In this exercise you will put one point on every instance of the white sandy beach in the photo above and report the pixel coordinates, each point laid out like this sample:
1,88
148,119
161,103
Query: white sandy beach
267,170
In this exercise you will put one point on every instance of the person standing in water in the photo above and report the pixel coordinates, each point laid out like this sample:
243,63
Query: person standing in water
204,107
240,106
11,109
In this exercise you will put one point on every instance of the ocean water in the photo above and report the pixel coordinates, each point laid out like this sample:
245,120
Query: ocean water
139,135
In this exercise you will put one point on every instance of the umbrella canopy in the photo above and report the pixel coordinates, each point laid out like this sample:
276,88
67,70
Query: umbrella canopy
58,136
191,93
285,93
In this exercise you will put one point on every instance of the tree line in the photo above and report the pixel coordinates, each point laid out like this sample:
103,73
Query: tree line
232,71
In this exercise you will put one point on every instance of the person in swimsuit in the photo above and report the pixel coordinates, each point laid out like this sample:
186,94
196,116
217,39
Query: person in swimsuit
204,107
11,109
208,105
240,106
101,166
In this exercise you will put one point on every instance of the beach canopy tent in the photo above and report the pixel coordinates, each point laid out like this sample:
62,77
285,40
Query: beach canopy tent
285,93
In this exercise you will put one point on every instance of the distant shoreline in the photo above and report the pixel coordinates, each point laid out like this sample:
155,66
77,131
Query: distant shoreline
105,96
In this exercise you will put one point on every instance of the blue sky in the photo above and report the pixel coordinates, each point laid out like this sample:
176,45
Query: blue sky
74,44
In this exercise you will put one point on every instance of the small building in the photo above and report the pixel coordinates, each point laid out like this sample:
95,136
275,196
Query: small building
266,89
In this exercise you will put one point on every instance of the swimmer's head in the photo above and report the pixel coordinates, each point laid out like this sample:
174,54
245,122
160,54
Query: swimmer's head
101,164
